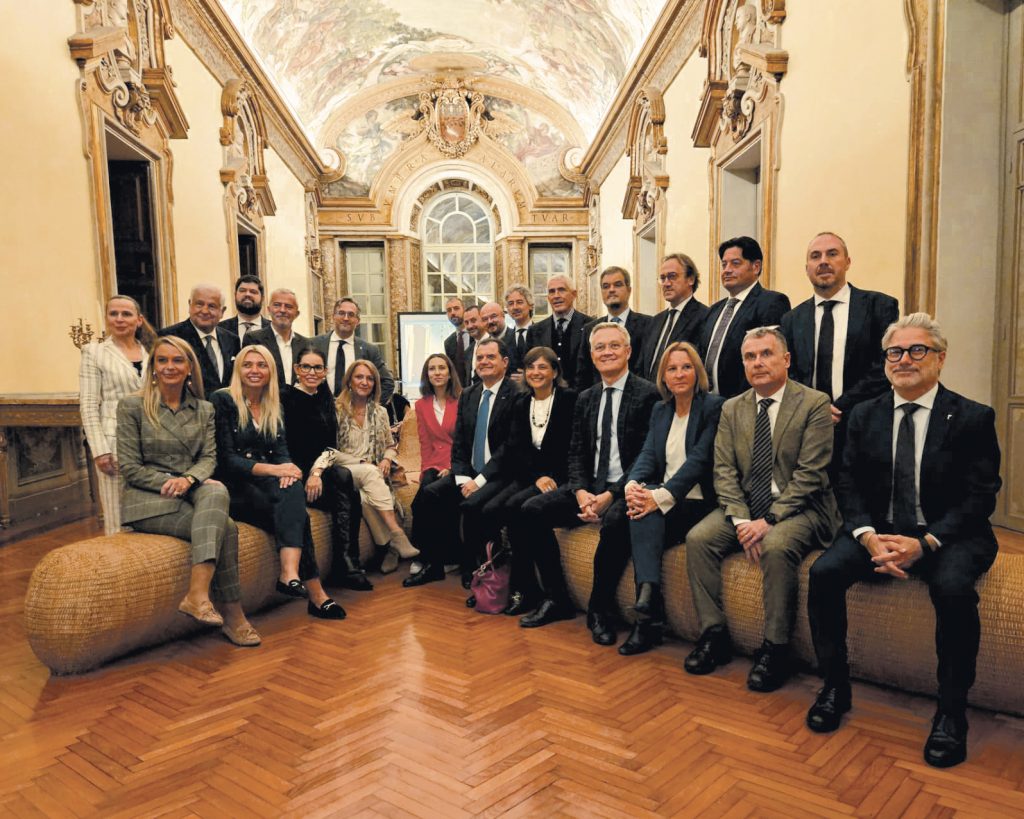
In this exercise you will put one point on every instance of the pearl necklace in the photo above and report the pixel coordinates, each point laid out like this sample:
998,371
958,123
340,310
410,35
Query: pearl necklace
533,404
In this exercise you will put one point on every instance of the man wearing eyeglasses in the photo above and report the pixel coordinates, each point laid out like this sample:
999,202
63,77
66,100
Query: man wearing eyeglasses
343,348
283,344
682,320
919,481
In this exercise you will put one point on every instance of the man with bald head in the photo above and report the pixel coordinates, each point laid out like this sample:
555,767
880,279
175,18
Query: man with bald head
215,347
562,331
283,343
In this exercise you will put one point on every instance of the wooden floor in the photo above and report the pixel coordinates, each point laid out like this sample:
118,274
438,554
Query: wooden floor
417,706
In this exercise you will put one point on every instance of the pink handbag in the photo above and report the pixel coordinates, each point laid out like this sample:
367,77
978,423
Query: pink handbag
490,584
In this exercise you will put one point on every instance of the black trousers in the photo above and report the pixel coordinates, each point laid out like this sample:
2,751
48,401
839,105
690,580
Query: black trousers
437,511
506,510
655,532
262,502
340,498
951,574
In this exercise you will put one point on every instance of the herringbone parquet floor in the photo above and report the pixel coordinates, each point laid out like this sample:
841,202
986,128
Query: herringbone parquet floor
416,706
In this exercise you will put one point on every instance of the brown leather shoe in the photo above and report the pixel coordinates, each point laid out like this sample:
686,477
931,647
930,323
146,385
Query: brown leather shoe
205,613
244,635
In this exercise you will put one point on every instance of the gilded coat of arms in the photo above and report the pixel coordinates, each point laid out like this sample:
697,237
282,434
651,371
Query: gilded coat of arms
453,115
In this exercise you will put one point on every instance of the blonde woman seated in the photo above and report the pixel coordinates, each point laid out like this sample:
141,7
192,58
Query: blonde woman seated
366,448
266,490
110,370
167,454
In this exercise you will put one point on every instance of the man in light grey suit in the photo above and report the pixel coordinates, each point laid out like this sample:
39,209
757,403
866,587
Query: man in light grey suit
772,451
342,348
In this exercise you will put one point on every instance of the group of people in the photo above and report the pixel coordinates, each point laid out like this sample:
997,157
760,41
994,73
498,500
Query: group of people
747,426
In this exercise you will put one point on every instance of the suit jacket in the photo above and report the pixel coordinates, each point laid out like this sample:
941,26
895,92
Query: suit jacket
959,469
240,448
466,376
104,377
498,427
524,462
232,325
435,439
701,428
569,350
688,327
515,361
801,449
266,338
761,308
870,313
229,347
182,442
636,325
638,399
364,350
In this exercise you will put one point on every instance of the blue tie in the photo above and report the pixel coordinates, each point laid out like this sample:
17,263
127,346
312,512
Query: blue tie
480,433
616,320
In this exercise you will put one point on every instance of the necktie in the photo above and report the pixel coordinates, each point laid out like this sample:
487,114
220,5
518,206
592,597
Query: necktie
716,342
670,323
560,331
826,340
248,325
460,356
616,320
208,343
480,433
604,455
761,463
904,474
520,344
339,368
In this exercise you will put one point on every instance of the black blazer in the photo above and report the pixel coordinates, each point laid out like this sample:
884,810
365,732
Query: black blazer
239,448
687,328
515,363
863,370
649,466
232,325
638,399
959,469
364,350
266,338
569,350
466,376
524,462
229,347
761,308
636,325
498,427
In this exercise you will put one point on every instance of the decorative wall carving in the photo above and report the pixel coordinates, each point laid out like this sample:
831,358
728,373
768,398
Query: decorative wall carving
244,137
646,146
314,263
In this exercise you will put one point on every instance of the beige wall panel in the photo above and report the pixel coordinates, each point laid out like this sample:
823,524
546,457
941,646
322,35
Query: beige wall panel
616,232
286,238
844,140
47,252
200,227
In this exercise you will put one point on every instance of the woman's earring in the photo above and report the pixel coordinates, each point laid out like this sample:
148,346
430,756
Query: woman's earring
153,380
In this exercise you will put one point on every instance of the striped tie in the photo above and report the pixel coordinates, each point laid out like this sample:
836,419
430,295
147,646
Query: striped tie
760,500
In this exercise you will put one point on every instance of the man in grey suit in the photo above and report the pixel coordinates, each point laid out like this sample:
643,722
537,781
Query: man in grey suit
283,343
772,451
342,348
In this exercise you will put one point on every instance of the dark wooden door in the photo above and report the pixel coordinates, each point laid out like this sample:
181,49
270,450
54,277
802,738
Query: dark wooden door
134,248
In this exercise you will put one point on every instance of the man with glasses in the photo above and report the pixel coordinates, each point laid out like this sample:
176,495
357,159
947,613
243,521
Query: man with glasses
343,348
616,290
682,320
919,481
283,344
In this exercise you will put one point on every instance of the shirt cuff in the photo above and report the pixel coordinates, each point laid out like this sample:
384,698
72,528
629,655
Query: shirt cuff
738,521
860,530
938,543
461,479
479,480
665,499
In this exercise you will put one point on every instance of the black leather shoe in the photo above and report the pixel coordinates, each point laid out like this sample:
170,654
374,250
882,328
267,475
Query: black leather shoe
714,648
357,581
771,668
601,629
644,636
548,612
328,610
518,603
428,574
467,579
947,743
293,588
471,602
833,701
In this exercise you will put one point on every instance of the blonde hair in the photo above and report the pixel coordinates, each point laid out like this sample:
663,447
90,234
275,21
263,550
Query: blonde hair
151,391
698,366
271,418
144,333
344,402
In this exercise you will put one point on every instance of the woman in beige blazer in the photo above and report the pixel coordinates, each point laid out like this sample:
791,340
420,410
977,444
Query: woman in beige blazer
110,370
167,450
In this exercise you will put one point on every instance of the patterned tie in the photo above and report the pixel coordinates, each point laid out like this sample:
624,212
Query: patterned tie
480,433
339,368
760,500
560,331
670,323
604,455
208,343
248,325
716,342
904,474
826,341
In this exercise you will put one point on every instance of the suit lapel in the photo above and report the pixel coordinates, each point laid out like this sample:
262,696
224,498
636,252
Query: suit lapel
791,399
938,426
179,424
856,317
695,422
805,338
736,330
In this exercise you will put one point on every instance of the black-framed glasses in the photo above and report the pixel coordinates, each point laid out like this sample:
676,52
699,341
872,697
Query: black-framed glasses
311,368
915,351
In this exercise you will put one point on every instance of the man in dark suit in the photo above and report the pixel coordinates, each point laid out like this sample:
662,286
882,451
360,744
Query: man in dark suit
609,428
519,305
682,320
283,343
775,502
918,484
834,337
492,317
562,331
215,347
248,306
616,289
748,305
342,348
481,429
459,345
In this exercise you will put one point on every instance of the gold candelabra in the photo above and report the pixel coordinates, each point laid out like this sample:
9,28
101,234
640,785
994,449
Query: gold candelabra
81,334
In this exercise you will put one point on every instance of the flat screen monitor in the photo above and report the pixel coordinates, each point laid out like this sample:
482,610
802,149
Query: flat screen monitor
419,335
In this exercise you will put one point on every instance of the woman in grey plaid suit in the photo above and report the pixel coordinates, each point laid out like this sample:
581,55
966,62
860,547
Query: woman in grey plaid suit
110,370
166,446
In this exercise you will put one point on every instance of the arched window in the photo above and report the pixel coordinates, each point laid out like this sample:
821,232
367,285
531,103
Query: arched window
458,252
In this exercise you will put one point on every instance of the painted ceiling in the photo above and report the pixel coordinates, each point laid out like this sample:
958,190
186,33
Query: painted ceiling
321,53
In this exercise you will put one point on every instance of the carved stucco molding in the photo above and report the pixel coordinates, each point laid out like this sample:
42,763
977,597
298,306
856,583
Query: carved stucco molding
646,146
243,136
398,256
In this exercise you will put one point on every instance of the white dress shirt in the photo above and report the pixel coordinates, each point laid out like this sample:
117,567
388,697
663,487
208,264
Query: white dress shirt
740,297
614,461
841,321
258,323
285,349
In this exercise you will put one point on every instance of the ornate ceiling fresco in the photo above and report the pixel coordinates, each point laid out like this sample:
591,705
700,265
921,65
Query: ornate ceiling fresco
569,56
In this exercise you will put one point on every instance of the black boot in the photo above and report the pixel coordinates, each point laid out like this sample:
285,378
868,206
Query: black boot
347,570
644,636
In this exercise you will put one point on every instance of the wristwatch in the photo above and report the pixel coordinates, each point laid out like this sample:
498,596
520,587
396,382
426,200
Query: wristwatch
770,519
191,480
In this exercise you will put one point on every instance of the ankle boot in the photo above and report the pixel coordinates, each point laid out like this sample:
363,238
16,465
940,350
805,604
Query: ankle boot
400,543
644,636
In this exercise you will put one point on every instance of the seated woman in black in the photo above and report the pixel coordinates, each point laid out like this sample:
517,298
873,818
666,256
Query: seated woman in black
536,461
253,460
670,486
311,426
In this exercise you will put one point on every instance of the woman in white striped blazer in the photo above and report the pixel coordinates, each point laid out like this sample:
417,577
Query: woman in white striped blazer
112,369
